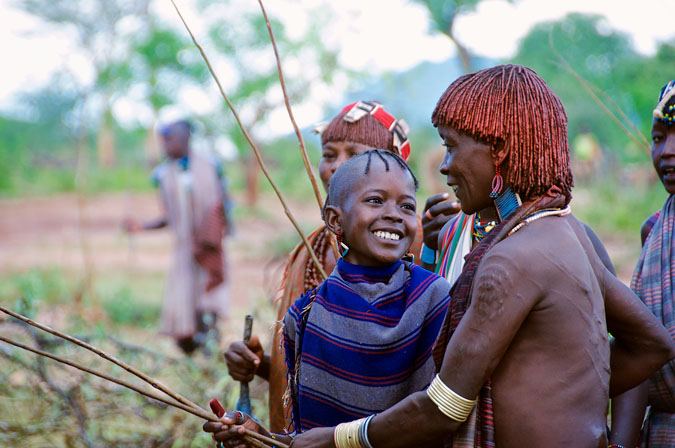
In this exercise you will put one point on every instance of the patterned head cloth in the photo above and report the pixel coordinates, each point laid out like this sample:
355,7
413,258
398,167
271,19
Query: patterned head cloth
368,123
663,111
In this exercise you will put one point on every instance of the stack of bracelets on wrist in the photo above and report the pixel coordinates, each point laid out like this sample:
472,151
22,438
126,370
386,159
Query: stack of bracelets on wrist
448,401
615,445
353,434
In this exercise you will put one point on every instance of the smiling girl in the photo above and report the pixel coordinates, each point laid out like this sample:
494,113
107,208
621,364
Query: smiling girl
356,128
361,341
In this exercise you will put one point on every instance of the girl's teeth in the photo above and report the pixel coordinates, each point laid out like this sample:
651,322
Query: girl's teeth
387,235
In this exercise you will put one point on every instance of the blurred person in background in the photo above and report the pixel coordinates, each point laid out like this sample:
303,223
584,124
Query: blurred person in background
196,205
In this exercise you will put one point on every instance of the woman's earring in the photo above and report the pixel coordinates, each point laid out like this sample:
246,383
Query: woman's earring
344,249
497,182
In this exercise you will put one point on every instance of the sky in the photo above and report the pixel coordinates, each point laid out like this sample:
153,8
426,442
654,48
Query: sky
372,35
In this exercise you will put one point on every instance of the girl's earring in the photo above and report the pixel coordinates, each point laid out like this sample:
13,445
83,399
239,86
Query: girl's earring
409,257
497,182
344,249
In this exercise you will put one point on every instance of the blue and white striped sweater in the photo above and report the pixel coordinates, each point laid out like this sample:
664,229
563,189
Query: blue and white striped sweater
366,343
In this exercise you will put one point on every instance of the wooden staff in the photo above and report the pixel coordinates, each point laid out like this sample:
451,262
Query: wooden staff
153,382
303,150
254,147
192,409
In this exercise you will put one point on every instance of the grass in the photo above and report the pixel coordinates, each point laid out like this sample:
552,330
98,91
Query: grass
39,397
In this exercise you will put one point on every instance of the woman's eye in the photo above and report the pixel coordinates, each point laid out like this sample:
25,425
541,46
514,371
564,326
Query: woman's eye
410,207
327,155
657,138
374,200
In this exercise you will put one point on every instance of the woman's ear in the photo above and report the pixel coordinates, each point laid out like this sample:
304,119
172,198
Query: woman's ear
333,218
499,152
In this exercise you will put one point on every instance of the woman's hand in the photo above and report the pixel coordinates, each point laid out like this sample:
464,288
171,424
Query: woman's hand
232,428
244,360
437,211
314,438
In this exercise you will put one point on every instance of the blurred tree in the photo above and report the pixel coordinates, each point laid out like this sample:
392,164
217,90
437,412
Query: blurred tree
156,67
444,14
99,26
242,41
603,57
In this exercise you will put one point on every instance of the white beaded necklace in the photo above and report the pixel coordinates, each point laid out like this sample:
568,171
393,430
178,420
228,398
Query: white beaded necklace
539,215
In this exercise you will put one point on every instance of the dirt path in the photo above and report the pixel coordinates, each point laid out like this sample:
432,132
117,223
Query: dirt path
43,232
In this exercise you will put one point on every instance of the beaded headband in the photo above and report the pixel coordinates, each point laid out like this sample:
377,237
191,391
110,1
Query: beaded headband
399,128
356,111
666,94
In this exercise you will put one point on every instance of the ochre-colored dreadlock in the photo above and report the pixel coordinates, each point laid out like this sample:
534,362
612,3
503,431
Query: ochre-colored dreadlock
512,105
366,131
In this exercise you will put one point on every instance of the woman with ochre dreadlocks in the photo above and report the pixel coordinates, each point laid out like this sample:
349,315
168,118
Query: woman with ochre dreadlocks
523,358
358,127
653,283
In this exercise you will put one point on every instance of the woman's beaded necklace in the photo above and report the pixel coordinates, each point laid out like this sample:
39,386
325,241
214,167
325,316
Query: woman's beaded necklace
482,228
541,214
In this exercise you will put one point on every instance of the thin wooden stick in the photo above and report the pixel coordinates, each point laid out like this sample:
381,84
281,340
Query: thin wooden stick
637,132
301,141
196,411
303,150
153,382
254,147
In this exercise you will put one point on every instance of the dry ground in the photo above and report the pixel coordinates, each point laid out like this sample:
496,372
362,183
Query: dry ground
44,233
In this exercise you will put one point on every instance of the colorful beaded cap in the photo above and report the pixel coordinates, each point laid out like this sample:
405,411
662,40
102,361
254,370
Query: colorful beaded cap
663,112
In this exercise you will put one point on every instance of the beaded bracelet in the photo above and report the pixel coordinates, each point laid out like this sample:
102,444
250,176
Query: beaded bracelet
615,445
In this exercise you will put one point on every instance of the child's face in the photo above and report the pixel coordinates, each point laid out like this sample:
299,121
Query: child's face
378,219
334,154
663,153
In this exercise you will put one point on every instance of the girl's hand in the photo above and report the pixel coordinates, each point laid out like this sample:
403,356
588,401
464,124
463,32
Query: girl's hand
231,429
244,360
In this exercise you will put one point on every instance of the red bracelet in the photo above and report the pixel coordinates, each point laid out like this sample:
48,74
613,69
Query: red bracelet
615,445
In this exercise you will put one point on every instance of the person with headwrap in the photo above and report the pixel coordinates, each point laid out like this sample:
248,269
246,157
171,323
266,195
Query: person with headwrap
356,128
195,205
653,283
524,357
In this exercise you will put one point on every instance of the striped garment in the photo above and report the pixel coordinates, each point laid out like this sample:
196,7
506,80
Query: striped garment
456,244
653,283
294,284
362,341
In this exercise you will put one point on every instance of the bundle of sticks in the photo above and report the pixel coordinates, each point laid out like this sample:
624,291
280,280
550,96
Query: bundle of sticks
174,399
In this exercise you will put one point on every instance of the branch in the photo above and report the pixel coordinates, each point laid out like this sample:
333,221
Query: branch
154,383
303,150
182,403
255,149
